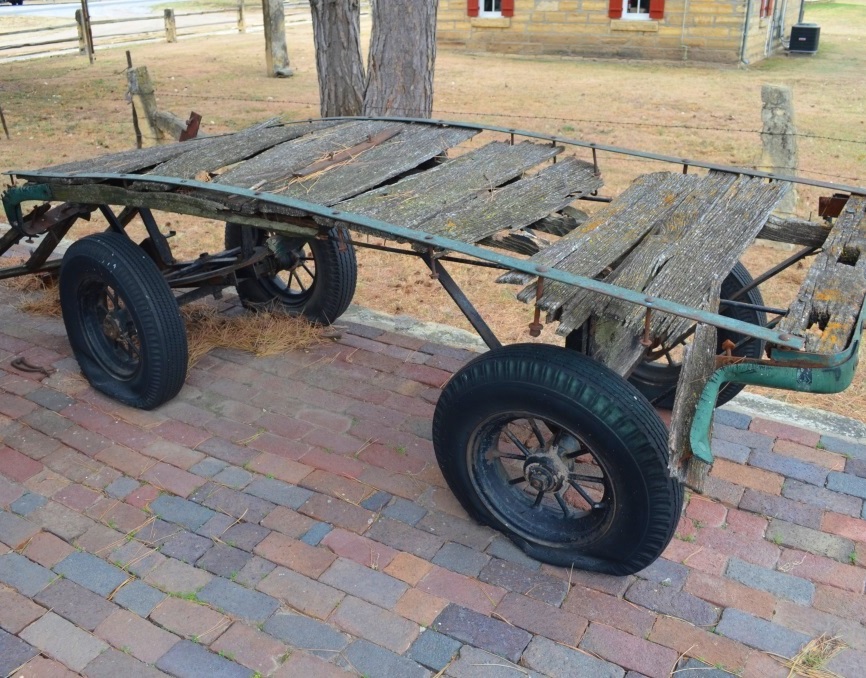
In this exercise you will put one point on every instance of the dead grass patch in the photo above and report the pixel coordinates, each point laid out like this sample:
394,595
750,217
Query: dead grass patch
810,660
262,333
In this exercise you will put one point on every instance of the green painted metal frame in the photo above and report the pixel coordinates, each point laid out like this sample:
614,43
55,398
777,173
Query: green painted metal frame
806,372
14,197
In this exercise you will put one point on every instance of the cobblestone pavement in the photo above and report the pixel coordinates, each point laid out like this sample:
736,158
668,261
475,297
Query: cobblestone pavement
285,516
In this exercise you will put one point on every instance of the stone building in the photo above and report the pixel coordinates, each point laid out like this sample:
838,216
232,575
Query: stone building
729,31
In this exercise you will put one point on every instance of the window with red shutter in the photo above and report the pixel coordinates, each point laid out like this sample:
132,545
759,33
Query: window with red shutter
507,7
637,10
472,7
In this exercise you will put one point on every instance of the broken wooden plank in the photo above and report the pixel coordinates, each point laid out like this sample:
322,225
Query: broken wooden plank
829,300
517,204
610,234
701,253
639,267
273,169
698,366
368,169
421,196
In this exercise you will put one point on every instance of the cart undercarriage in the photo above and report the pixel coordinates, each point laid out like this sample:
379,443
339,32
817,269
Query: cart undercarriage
558,447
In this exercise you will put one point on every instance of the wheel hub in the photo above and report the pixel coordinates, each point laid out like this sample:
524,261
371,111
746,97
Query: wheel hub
544,474
285,251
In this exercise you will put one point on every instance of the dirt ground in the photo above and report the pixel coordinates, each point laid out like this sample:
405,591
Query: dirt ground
61,109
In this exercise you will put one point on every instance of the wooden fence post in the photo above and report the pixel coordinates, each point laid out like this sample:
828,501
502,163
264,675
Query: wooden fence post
242,22
144,101
82,44
170,26
779,138
276,52
86,30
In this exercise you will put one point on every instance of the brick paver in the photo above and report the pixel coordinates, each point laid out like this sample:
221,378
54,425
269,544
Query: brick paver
285,516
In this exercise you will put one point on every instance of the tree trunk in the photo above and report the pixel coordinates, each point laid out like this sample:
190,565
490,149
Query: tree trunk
401,60
336,29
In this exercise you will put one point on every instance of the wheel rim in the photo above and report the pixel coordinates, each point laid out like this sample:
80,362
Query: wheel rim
541,479
294,269
109,329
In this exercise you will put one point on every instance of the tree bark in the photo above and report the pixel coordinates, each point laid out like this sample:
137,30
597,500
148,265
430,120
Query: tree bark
336,31
402,57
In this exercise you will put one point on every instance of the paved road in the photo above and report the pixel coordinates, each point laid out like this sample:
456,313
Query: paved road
101,9
286,516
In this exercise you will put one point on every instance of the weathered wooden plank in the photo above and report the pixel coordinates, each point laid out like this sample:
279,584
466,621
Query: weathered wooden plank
517,204
641,265
414,145
421,196
640,191
234,148
273,169
795,231
211,207
702,253
698,367
831,296
132,161
611,233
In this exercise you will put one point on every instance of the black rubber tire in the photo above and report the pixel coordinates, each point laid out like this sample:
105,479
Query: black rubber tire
569,391
104,278
332,287
657,380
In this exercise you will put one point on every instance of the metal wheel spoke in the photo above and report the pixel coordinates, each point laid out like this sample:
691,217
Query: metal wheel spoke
517,480
538,499
309,272
537,431
565,512
514,439
512,456
586,479
298,279
589,500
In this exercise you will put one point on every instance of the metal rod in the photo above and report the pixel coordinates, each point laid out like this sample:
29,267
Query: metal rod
772,272
414,253
15,271
756,307
463,303
859,190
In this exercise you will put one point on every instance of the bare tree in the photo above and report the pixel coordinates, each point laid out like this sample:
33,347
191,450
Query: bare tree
399,77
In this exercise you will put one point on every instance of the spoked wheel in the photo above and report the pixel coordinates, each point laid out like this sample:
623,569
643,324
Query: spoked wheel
560,454
656,377
122,320
313,278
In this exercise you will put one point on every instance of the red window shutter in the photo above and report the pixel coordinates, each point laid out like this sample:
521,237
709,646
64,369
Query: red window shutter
472,7
614,9
507,7
657,9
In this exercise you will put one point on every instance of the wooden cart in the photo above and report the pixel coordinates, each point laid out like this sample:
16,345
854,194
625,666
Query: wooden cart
559,447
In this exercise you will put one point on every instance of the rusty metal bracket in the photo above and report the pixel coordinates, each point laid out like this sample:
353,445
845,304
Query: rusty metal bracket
192,125
646,339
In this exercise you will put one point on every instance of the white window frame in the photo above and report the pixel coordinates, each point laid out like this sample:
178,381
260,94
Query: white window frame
635,16
493,14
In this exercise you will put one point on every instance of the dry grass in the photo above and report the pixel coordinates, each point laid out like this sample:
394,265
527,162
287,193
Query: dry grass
61,109
810,660
261,333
